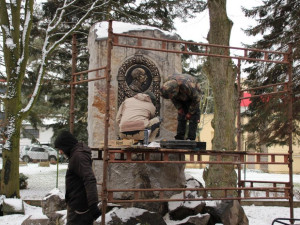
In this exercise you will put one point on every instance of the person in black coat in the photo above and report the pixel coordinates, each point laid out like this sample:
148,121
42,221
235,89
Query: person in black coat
81,187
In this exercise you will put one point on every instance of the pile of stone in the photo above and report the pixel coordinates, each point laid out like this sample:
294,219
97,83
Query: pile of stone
178,212
193,212
52,212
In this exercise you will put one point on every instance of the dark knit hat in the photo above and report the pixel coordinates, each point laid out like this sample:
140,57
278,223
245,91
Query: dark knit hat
65,141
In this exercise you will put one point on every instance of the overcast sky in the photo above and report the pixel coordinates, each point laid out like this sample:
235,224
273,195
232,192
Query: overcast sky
196,29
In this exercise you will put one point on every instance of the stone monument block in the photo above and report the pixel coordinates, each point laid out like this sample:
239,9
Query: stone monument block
156,66
132,71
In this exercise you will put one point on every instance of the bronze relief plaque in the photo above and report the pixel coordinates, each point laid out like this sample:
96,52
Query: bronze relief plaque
137,75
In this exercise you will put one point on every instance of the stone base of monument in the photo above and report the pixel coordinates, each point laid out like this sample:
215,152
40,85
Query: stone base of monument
145,176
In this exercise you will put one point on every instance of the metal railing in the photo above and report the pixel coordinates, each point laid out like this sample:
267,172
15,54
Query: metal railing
115,155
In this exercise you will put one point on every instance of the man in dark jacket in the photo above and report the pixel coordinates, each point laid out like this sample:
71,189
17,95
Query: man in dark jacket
184,92
81,188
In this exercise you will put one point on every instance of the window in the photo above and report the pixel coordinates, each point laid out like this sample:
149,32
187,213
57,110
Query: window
31,133
37,149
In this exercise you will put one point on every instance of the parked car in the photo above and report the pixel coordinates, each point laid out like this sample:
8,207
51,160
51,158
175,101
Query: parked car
36,152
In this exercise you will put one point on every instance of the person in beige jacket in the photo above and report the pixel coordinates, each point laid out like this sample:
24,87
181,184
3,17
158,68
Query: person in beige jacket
137,114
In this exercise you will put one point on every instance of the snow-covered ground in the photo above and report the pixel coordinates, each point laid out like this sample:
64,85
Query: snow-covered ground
261,215
44,179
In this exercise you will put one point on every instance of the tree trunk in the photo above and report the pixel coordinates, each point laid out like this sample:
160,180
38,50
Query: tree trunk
11,153
221,74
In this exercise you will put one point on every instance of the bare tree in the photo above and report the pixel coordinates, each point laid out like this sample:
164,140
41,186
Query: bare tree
220,72
16,18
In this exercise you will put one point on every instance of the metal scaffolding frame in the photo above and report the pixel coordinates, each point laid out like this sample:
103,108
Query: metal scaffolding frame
237,158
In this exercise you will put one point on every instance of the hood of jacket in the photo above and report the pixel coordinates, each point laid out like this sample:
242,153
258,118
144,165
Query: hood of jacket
65,141
143,97
81,147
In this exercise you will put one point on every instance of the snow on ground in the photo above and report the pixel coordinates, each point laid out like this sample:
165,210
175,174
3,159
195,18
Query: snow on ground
251,175
42,180
260,215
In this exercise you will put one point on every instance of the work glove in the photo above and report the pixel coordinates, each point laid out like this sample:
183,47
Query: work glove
95,211
188,116
194,117
180,111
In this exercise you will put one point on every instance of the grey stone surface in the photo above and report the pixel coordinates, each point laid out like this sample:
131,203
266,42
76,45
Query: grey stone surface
228,212
58,218
52,203
132,216
62,215
178,210
191,182
12,206
133,175
35,221
199,219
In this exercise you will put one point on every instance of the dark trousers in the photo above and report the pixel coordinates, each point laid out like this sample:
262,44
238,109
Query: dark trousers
79,218
181,126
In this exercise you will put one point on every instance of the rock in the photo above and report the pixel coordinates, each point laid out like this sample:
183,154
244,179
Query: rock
2,197
144,176
52,202
131,216
62,218
109,206
35,221
182,209
199,219
35,215
191,182
228,212
58,218
12,206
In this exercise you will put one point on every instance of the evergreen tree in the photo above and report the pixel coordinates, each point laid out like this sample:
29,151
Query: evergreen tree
278,22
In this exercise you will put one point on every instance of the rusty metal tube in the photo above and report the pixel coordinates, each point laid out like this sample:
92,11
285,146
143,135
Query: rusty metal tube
105,155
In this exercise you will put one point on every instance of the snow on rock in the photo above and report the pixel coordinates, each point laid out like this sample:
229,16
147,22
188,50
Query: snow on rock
187,204
54,191
12,206
34,212
54,201
196,219
16,219
188,177
124,214
2,197
212,203
132,216
193,183
182,209
121,27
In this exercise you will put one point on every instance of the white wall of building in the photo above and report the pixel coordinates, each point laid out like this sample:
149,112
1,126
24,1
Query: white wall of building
45,135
